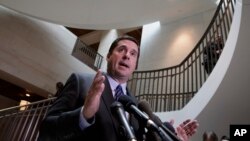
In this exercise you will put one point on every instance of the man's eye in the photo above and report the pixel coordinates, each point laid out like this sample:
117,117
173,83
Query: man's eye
120,49
134,54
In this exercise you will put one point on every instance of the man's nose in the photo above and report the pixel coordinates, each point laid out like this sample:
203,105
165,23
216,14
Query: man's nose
126,55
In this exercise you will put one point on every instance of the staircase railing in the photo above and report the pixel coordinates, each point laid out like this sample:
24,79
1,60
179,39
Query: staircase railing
87,55
21,123
172,88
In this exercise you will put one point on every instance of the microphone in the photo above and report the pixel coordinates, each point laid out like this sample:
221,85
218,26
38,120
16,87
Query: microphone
166,127
131,107
117,109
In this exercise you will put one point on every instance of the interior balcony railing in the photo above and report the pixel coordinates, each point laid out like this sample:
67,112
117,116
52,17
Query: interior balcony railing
172,88
21,123
87,55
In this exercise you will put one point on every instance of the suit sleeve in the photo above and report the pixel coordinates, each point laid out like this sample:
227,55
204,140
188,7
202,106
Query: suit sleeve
62,119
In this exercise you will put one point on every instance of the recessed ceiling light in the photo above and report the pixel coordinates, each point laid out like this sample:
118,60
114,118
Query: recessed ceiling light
28,95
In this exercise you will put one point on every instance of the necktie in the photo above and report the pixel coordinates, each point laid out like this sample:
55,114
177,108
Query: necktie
118,92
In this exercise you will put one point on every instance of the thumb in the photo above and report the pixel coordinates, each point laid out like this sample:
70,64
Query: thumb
171,122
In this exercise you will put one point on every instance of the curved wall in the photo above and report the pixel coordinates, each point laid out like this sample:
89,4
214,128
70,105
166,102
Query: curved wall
35,54
167,44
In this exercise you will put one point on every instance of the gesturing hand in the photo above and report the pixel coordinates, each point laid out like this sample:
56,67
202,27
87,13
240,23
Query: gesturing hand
186,129
92,101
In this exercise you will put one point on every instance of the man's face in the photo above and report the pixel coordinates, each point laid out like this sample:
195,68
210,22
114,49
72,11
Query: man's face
122,61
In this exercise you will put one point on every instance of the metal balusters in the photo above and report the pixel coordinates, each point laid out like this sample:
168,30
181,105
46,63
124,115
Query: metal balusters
172,88
24,124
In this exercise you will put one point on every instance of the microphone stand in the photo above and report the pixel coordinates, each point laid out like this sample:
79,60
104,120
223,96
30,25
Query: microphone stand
170,133
117,108
164,136
131,107
144,106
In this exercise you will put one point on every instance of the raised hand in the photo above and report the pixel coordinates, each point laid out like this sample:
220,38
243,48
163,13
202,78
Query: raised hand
92,101
186,129
190,126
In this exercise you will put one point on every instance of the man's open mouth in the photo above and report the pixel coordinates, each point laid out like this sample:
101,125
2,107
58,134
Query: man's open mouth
123,64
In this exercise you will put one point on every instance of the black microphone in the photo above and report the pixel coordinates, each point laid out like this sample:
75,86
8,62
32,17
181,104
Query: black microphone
166,127
117,109
131,107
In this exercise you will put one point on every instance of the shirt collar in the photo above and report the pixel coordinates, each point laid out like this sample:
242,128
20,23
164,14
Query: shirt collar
114,84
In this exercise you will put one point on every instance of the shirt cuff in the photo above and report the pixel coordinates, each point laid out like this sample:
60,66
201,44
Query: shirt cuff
84,123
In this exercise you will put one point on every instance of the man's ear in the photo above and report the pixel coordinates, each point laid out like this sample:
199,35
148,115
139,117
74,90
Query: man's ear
107,57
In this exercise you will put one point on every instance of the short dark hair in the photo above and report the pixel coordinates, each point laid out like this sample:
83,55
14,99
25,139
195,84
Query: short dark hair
59,85
125,37
210,135
225,138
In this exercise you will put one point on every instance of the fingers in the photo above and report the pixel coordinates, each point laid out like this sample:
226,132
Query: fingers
184,123
186,129
92,101
190,126
99,78
97,86
193,127
181,134
171,122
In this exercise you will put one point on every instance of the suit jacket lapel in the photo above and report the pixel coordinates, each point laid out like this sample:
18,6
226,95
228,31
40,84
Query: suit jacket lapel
108,99
107,95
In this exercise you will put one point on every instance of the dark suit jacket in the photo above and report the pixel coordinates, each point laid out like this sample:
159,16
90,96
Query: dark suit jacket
62,120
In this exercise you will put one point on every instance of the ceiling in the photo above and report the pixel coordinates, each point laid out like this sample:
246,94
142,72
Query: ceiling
87,19
108,14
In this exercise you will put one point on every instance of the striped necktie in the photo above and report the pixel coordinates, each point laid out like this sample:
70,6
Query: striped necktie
118,92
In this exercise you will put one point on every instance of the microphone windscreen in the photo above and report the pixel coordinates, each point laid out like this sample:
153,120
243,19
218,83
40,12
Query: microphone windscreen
145,106
126,101
156,119
115,105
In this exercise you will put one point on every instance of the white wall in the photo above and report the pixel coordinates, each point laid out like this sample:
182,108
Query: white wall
167,44
35,54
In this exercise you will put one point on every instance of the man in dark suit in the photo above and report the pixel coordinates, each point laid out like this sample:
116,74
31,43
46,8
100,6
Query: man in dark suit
82,110
68,119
